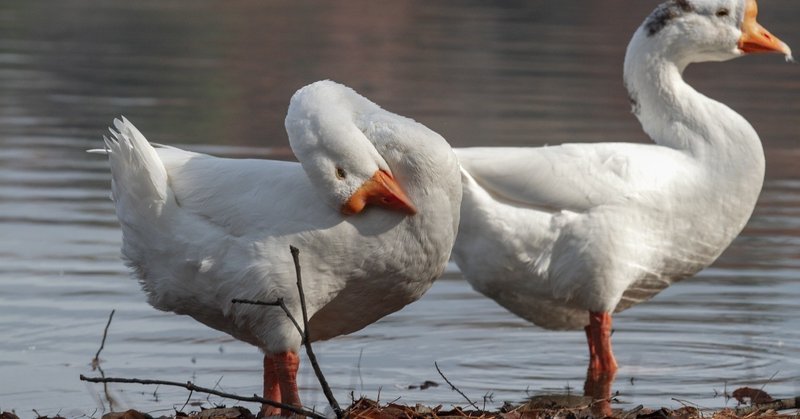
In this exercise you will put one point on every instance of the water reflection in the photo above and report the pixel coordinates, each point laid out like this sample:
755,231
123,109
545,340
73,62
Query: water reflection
217,77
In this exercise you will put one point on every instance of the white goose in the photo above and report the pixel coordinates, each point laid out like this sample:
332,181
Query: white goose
564,236
200,231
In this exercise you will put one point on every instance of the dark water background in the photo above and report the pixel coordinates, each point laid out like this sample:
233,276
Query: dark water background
216,77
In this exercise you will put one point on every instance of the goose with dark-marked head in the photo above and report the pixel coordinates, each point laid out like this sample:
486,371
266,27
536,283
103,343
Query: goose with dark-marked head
565,236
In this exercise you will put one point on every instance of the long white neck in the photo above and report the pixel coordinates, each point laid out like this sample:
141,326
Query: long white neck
675,115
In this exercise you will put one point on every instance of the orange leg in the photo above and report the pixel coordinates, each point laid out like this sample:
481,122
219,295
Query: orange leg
288,364
272,390
598,334
602,365
280,382
598,387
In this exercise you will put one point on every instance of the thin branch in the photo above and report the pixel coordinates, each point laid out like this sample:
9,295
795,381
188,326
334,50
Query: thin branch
277,303
215,387
96,360
769,381
307,341
358,368
455,388
96,365
187,400
191,387
326,389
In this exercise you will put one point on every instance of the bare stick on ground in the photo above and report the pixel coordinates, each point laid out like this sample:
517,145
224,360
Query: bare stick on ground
191,387
455,388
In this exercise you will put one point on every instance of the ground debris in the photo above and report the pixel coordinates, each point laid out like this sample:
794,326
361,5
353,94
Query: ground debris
424,386
765,414
237,412
539,407
57,416
128,414
8,415
753,395
369,409
686,412
546,407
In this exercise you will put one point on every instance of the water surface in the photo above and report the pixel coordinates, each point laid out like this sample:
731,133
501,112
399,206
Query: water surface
216,77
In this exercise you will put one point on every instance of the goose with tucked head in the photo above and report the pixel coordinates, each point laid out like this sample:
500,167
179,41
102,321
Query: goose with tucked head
565,236
344,165
373,207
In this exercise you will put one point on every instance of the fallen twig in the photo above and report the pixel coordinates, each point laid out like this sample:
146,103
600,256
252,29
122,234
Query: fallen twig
455,388
192,387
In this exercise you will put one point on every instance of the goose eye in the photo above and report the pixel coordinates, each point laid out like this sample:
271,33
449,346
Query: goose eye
340,173
722,12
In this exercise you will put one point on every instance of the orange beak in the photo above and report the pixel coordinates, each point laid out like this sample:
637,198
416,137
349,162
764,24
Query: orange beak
382,190
757,39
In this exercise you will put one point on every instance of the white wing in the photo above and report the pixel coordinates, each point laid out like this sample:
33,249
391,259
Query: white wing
243,196
574,177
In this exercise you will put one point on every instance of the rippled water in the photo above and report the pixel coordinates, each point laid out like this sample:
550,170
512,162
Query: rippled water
217,77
